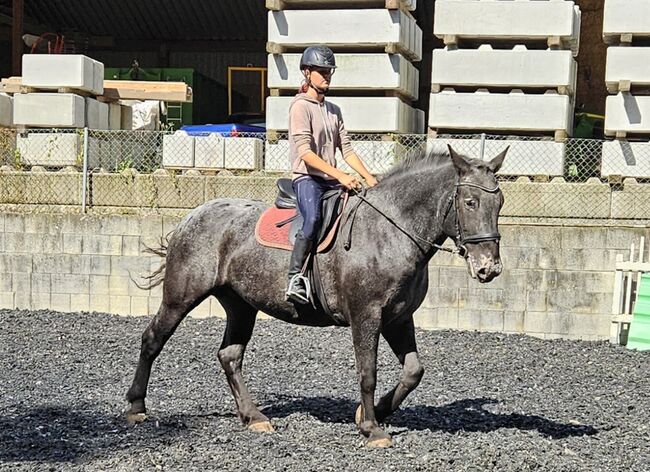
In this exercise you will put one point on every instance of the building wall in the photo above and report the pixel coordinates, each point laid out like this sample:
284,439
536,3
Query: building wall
557,282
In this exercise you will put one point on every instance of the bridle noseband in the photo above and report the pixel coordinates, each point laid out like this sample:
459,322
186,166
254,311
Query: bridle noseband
460,239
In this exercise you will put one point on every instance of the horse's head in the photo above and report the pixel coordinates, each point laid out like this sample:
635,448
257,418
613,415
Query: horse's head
475,213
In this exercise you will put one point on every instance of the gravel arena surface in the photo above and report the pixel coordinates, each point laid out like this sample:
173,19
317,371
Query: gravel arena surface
486,402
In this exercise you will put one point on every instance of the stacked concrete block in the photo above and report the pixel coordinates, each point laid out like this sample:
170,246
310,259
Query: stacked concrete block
6,110
362,114
243,153
178,151
50,149
375,42
56,71
508,67
50,110
626,29
209,151
96,114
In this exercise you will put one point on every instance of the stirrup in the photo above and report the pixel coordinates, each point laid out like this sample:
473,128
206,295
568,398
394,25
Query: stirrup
294,289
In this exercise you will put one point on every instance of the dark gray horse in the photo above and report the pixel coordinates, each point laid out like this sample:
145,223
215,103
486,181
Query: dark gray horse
376,285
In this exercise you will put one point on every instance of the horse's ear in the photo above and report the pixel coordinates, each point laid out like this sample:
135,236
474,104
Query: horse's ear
496,163
461,165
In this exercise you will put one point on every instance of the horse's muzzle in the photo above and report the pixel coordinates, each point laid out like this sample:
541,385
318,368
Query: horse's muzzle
484,268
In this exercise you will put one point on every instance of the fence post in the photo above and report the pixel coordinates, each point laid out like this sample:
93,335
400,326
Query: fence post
84,176
482,147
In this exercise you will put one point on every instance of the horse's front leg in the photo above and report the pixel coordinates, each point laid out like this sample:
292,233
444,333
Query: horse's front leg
365,336
401,339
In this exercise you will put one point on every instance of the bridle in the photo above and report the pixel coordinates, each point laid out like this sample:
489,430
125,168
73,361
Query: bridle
460,240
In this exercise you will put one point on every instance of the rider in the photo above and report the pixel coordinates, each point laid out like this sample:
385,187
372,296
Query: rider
316,130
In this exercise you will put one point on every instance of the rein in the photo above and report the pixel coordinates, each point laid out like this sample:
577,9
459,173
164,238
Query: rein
460,239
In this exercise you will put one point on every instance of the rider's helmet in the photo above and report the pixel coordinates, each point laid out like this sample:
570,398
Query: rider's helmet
318,56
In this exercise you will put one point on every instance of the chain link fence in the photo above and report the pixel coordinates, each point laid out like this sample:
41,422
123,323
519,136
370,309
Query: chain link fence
574,178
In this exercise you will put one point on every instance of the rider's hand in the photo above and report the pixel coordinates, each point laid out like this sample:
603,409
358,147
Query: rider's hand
350,182
371,181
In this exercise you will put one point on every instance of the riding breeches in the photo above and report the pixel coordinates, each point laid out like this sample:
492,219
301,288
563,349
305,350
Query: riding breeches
309,193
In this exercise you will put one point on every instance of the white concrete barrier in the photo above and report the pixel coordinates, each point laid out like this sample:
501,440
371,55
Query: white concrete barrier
96,114
525,157
622,17
178,151
51,110
6,110
625,159
276,156
54,71
345,29
50,149
361,114
509,20
627,113
209,151
514,68
316,4
367,71
243,153
630,65
500,111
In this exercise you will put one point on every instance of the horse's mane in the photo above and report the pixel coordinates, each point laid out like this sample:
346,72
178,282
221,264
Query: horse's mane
420,161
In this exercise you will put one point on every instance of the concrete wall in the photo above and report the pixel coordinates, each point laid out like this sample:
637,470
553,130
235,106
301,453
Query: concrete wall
558,280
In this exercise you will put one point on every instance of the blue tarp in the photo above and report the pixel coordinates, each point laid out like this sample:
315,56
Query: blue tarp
226,129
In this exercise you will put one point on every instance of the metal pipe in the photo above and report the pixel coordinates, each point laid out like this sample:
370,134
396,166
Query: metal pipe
84,177
482,147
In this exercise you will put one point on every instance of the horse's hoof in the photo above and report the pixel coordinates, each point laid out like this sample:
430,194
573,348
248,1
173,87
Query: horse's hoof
135,418
381,442
358,416
261,427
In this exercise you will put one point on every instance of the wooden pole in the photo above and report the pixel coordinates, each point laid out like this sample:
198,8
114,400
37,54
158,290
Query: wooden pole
17,37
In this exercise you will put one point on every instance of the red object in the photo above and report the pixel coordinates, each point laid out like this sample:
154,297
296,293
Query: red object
267,234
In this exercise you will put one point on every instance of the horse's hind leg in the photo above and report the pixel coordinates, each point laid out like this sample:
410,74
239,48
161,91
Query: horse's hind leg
160,329
239,328
401,339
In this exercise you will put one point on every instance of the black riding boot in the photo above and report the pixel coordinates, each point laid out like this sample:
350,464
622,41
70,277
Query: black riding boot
298,289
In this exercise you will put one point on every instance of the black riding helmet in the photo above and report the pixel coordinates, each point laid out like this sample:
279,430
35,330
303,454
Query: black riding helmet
317,56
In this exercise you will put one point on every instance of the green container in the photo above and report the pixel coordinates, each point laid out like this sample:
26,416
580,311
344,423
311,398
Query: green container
639,335
210,98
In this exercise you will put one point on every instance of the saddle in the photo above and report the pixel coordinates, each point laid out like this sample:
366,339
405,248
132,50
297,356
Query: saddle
277,227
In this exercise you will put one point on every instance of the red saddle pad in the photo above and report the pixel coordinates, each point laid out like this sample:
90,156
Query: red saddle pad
268,234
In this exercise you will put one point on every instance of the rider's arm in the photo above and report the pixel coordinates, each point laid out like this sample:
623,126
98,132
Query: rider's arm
351,157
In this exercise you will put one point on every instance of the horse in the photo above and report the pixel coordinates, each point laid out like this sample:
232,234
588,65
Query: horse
398,227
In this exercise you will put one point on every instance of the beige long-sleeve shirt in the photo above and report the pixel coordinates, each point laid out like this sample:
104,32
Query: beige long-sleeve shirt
318,127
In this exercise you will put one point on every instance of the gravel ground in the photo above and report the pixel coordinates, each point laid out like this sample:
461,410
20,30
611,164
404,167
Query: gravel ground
487,401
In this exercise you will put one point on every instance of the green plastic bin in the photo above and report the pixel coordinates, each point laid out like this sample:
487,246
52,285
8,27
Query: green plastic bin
639,335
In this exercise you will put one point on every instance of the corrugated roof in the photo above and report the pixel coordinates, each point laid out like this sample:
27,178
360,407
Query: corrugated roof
151,19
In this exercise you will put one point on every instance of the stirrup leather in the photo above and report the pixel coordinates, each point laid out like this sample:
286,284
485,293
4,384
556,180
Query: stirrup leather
294,289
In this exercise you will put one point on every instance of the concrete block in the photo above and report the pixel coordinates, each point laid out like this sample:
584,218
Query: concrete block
590,325
51,149
627,113
258,188
525,157
314,4
243,153
79,302
626,159
5,282
54,71
499,111
50,263
426,318
70,283
119,305
631,64
626,203
139,306
377,156
96,114
6,110
114,116
209,151
581,200
389,72
202,310
102,244
99,284
276,156
520,20
514,68
40,301
100,303
624,16
469,319
178,150
448,318
513,321
50,110
344,29
536,322
60,302
7,300
361,114
491,320
127,117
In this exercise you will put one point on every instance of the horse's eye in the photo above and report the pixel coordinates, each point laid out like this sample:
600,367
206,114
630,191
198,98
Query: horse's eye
471,203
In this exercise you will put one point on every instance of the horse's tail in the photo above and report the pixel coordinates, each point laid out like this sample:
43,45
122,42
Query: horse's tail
156,277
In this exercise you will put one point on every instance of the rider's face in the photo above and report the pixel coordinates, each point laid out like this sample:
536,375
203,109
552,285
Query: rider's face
320,77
